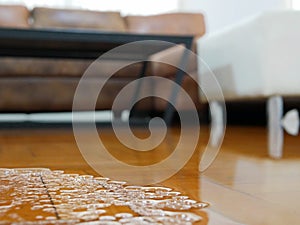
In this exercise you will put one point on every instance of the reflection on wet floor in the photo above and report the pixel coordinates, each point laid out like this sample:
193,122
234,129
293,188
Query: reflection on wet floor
246,185
242,186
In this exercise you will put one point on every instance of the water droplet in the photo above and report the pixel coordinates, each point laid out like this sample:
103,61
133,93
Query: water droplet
39,217
107,218
123,215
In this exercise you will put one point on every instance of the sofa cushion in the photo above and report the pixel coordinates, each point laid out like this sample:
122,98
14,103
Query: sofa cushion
189,85
44,67
172,23
31,94
169,57
81,19
15,16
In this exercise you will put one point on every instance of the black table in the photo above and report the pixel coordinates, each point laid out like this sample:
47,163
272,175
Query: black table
87,44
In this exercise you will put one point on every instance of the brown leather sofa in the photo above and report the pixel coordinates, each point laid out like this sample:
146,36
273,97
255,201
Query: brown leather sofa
42,84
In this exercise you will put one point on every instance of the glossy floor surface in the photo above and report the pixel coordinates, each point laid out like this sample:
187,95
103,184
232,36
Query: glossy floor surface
243,185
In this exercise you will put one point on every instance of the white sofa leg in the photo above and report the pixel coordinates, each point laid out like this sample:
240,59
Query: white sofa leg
217,112
275,130
217,123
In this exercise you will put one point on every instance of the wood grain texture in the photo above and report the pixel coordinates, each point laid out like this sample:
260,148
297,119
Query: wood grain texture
242,185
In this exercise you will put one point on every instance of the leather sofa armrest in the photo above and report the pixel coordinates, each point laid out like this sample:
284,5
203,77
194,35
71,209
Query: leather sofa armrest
164,63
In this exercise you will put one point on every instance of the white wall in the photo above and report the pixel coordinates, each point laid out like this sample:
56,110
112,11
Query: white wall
220,13
139,7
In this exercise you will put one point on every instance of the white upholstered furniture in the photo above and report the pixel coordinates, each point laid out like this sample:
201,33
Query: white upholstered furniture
258,58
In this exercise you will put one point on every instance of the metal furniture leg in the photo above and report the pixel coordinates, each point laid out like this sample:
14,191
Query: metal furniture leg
275,130
178,80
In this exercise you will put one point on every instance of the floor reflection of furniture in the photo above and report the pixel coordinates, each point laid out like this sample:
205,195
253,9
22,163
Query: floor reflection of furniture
85,45
258,58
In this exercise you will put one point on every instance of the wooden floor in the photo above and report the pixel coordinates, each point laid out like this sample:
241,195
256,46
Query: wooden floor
243,186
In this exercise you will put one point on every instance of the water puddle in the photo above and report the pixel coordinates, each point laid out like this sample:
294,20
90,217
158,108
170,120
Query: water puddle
42,196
